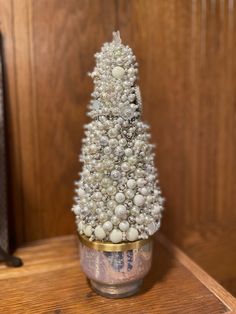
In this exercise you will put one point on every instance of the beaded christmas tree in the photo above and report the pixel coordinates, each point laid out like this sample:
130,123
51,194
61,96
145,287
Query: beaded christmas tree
118,199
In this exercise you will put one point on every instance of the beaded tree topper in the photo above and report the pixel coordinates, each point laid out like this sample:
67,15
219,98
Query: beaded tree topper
118,199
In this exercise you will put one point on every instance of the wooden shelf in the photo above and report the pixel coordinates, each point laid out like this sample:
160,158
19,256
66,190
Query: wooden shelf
51,281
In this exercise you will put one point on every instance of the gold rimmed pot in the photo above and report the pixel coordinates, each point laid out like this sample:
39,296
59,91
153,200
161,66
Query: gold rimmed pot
115,270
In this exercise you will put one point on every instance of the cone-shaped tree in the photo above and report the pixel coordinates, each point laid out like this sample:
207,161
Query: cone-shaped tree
117,195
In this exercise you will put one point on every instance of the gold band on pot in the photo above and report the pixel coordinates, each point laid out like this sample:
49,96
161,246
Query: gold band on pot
113,247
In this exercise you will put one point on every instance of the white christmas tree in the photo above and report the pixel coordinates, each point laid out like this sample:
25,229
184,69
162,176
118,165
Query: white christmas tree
118,199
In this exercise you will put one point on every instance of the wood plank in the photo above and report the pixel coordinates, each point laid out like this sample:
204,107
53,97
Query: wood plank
47,44
199,273
186,54
58,285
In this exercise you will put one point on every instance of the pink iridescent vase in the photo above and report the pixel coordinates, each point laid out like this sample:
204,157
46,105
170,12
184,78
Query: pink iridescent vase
115,270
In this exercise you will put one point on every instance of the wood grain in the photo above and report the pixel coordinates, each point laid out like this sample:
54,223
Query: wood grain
52,282
199,273
186,55
47,65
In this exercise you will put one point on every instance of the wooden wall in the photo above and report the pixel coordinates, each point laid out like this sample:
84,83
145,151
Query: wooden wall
186,51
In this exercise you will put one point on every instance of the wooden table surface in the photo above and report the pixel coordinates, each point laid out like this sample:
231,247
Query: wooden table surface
51,281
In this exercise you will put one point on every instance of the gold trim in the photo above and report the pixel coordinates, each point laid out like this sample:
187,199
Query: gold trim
113,247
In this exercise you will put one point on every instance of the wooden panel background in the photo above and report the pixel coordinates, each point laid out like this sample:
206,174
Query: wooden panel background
186,51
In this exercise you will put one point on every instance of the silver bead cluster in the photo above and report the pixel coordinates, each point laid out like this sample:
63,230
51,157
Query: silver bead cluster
117,195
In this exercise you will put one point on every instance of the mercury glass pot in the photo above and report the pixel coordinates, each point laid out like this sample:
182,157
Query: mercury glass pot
115,270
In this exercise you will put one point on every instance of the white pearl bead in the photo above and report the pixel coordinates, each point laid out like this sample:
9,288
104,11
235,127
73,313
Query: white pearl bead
108,164
99,233
115,174
103,191
97,196
140,173
124,226
124,98
125,166
135,211
131,97
98,176
132,234
138,144
131,183
96,104
148,220
118,72
98,211
91,205
93,149
90,179
86,172
115,220
88,231
107,150
81,193
116,236
129,194
112,133
103,217
150,178
109,212
141,182
98,166
81,226
140,219
119,151
149,199
106,182
111,190
120,198
156,209
120,211
113,142
152,228
128,152
138,200
127,113
123,142
107,226
111,204
132,160
144,191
